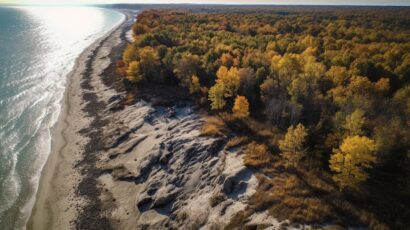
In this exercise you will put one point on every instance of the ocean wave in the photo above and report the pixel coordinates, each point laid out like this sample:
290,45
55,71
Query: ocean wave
10,188
32,83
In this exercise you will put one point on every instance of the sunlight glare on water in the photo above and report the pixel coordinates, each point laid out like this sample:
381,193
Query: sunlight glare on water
69,24
38,48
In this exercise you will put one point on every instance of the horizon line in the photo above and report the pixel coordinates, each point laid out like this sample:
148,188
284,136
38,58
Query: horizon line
193,3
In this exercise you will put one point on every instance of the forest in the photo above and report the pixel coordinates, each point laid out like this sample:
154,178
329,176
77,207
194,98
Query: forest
317,98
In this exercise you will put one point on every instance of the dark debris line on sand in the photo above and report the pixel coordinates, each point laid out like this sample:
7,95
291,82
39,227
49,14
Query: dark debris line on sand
90,216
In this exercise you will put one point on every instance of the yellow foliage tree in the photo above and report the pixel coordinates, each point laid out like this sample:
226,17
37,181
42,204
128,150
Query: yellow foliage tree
216,96
226,59
313,68
288,67
337,74
227,84
149,63
349,162
134,72
129,54
354,123
230,79
292,146
382,85
241,107
194,86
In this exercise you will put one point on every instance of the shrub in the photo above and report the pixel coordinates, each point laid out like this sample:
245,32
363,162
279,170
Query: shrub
256,155
213,126
236,141
241,107
292,146
121,69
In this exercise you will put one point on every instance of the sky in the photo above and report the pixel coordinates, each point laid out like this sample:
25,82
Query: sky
278,2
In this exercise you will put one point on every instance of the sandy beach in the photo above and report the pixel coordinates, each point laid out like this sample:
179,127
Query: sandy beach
57,203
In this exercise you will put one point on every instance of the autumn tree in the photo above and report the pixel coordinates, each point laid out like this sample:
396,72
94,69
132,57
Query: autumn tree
194,86
293,145
134,72
351,159
287,67
337,75
138,29
185,67
129,53
226,59
249,85
241,107
275,97
230,79
227,85
216,96
355,123
382,86
149,64
304,89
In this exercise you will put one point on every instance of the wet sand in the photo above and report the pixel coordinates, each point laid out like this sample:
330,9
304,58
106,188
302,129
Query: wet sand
58,201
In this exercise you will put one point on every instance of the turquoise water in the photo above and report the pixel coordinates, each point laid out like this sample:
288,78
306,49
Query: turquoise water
38,48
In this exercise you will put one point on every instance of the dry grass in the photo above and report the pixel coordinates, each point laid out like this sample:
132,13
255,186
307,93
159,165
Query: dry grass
270,135
299,200
260,129
213,126
289,198
210,130
256,155
227,117
236,142
304,197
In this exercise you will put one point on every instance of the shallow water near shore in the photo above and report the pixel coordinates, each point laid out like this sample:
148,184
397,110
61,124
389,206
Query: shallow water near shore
38,48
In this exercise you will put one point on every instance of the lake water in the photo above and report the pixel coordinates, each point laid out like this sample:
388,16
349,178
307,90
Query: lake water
38,48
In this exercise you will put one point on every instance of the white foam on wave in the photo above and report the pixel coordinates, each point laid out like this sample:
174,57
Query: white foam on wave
12,187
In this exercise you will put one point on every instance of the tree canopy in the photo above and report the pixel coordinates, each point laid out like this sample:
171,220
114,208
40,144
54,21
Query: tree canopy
241,107
293,145
351,159
341,74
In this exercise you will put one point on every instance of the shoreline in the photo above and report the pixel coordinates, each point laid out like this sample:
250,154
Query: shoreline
59,178
134,158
